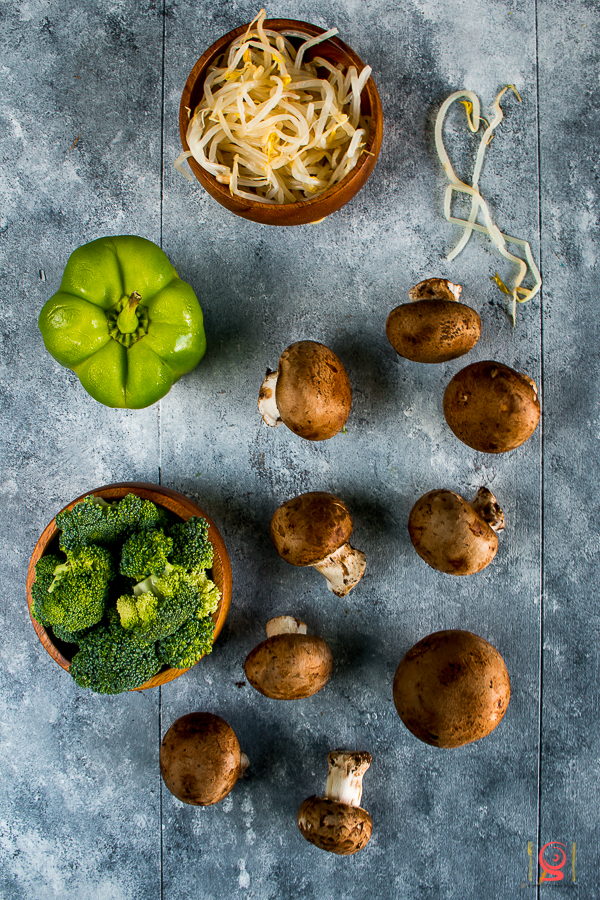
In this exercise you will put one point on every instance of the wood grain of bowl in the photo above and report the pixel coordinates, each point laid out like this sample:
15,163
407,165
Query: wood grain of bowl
303,212
173,502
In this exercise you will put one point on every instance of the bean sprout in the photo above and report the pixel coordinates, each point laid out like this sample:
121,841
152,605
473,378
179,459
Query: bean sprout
471,102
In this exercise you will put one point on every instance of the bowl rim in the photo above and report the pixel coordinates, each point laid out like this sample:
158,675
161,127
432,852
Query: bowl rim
367,159
169,499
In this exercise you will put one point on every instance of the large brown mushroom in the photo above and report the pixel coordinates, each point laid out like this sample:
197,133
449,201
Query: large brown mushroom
200,759
336,821
492,408
434,327
313,530
290,664
454,536
310,392
451,688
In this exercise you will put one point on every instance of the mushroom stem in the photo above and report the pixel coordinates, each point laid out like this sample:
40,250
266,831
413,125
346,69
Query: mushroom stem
344,780
244,764
285,625
267,403
487,507
435,289
342,569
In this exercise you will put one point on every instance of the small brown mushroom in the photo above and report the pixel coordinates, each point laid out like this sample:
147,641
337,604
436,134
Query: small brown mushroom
310,392
290,664
434,327
491,408
200,759
313,530
454,536
336,822
451,688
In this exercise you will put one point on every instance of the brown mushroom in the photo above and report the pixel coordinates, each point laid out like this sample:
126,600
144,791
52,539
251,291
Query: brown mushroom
290,664
454,536
491,408
310,392
200,759
451,688
336,822
434,327
313,530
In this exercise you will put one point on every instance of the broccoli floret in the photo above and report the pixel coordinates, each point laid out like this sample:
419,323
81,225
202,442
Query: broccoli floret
94,521
191,547
159,606
83,561
76,597
192,592
91,521
68,637
187,645
111,660
145,553
135,514
180,595
44,576
207,595
137,612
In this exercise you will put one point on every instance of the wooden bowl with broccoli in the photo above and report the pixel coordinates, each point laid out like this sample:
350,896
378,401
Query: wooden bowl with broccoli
129,586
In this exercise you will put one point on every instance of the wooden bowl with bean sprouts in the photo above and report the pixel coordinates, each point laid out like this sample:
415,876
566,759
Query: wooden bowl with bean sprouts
280,122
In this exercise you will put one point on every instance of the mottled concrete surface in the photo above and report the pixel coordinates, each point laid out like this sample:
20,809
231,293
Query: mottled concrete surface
90,96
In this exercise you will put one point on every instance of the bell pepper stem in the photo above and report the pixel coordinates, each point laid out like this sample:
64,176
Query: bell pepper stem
127,321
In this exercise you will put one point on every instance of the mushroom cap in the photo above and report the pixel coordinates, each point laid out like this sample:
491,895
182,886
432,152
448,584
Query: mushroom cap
449,535
289,666
433,331
308,528
313,391
200,758
334,826
451,688
491,408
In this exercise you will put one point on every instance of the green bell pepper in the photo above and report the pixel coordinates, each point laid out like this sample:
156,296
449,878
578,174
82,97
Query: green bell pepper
124,321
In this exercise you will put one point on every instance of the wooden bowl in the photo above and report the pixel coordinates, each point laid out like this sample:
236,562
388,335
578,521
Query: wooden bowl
173,502
305,211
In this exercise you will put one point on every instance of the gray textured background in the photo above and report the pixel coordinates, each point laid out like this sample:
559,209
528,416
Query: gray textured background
89,103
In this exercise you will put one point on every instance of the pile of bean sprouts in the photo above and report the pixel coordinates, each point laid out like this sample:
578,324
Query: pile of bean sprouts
269,126
470,100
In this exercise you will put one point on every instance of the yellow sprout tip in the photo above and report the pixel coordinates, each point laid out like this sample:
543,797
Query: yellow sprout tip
498,281
469,109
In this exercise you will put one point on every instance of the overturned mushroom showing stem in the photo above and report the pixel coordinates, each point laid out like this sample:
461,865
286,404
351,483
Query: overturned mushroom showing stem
290,664
492,408
200,759
310,392
454,536
434,327
451,688
313,530
336,821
